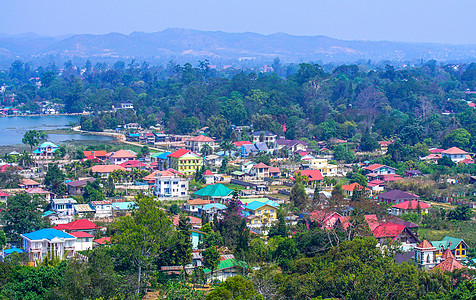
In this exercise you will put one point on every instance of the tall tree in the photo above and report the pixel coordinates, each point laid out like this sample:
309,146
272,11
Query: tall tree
143,235
54,179
212,258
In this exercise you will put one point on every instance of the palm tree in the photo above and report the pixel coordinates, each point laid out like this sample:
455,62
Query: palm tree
227,146
25,159
206,149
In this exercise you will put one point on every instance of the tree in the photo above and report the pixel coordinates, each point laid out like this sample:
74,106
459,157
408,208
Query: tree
54,179
22,216
279,228
243,239
446,161
235,287
33,138
341,153
182,244
224,164
144,151
460,213
174,209
298,194
93,191
369,143
3,239
457,138
212,258
142,236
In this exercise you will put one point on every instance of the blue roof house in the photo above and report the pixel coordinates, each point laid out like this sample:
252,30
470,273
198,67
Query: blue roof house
41,243
47,149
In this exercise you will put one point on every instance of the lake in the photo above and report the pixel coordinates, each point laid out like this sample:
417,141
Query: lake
13,128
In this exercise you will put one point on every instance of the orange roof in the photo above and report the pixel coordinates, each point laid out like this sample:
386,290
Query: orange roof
122,154
425,245
373,167
103,240
354,186
412,204
449,264
261,166
372,221
29,182
198,202
99,153
106,168
241,143
447,254
454,150
201,138
193,220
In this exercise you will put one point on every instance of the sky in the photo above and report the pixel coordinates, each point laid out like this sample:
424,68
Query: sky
376,20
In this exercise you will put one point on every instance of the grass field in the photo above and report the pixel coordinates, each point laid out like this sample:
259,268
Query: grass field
235,187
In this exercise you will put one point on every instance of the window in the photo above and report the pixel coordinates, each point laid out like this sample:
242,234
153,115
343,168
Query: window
463,252
182,186
457,252
271,211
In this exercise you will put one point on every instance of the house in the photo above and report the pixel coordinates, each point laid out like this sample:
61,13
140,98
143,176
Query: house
124,207
169,184
185,161
133,126
291,145
247,166
83,210
84,240
195,205
194,221
63,206
328,220
41,193
209,177
384,146
265,137
412,173
9,251
213,160
350,188
274,172
100,154
147,138
78,225
28,184
196,143
196,236
376,185
103,209
254,149
215,192
458,247
440,255
408,207
133,164
394,232
313,176
41,243
211,209
118,157
238,144
125,105
321,164
261,170
3,196
227,268
378,169
455,154
397,196
161,159
105,170
77,187
260,214
46,149
102,241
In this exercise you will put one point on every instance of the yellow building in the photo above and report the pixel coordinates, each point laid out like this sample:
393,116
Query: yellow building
185,161
322,165
458,247
261,213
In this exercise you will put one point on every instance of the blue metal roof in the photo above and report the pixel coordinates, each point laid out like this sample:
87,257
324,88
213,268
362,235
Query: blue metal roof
13,249
256,204
47,233
213,205
124,205
48,144
164,155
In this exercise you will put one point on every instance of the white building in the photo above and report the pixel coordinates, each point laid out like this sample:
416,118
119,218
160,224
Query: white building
38,244
170,185
84,240
63,206
103,209
455,154
320,164
118,157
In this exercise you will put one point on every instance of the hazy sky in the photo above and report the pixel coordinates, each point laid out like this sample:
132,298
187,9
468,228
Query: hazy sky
394,20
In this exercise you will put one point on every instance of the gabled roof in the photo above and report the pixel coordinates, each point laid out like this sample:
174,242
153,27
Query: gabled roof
214,190
133,164
374,167
102,241
261,166
106,168
241,143
266,133
207,173
48,234
257,204
29,182
81,224
123,154
454,150
214,205
398,195
390,230
290,143
81,234
193,220
412,204
198,202
79,183
372,221
201,138
425,245
98,153
36,191
227,263
447,254
354,186
48,144
312,175
179,153
83,208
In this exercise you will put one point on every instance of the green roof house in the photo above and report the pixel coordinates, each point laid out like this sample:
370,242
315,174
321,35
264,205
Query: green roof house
214,192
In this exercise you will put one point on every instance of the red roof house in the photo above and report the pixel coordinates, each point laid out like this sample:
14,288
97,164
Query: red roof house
78,225
241,143
394,232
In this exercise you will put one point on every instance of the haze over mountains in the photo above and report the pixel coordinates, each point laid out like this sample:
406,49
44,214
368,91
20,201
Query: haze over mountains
183,44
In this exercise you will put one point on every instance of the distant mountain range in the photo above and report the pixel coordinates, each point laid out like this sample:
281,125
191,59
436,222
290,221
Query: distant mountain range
221,46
